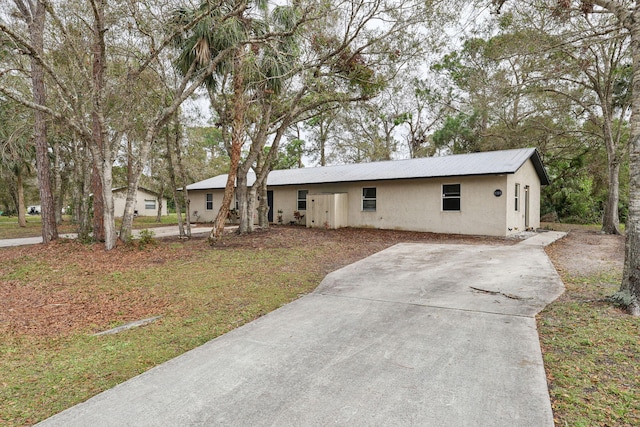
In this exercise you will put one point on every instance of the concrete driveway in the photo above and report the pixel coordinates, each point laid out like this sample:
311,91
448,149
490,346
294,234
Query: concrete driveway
416,335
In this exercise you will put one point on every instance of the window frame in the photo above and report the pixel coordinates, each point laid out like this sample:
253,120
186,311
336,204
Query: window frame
148,204
208,201
299,201
517,197
450,196
367,199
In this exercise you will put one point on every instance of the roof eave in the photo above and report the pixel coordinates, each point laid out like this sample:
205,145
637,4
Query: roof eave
540,169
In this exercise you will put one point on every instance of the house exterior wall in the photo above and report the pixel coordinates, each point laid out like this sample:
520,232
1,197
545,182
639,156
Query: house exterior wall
198,205
417,205
414,204
525,177
120,199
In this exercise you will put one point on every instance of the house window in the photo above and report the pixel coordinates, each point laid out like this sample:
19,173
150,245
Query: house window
451,197
302,200
517,197
209,203
149,204
369,199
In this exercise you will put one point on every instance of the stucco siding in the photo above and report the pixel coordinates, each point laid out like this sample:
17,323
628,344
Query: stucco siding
140,204
525,177
198,205
414,204
417,205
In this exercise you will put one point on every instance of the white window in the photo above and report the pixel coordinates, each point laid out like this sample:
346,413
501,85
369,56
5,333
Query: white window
209,202
451,197
149,204
302,200
369,199
517,197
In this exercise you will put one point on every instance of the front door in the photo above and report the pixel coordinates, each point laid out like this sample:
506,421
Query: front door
270,203
526,207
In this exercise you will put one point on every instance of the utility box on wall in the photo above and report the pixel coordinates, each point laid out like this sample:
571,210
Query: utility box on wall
327,210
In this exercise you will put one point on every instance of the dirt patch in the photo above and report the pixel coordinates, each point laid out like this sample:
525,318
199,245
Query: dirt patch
584,253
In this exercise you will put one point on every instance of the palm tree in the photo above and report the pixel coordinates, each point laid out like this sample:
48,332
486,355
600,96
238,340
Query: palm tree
262,47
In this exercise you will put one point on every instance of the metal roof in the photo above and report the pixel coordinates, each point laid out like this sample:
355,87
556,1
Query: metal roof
485,163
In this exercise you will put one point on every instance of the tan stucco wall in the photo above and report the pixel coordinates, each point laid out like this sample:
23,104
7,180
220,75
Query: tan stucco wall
525,176
417,204
198,205
120,199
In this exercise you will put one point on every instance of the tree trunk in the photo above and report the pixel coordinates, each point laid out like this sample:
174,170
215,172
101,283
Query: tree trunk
183,178
247,196
242,194
177,197
611,218
81,191
631,277
47,205
57,183
251,208
101,147
160,197
263,206
98,205
223,213
132,189
237,140
22,211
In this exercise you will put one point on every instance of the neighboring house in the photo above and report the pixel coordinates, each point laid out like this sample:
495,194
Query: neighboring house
146,203
492,193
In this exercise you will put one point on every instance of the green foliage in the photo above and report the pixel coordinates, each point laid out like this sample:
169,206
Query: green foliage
86,238
289,156
204,154
146,238
570,194
459,133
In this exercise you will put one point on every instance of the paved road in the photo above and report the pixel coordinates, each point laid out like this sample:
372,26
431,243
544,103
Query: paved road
416,335
158,232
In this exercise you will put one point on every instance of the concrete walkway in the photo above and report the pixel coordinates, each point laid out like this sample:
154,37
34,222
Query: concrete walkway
416,335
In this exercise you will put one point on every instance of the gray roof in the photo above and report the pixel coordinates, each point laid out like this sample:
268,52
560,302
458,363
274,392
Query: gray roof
486,163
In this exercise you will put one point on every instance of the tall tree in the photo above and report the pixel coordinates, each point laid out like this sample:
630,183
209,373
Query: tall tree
544,78
253,67
339,65
627,15
592,70
102,79
33,13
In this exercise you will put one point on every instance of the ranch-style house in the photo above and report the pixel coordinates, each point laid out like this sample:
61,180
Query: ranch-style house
493,193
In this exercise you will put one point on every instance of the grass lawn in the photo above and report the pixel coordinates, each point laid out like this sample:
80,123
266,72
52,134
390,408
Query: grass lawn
591,349
201,293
